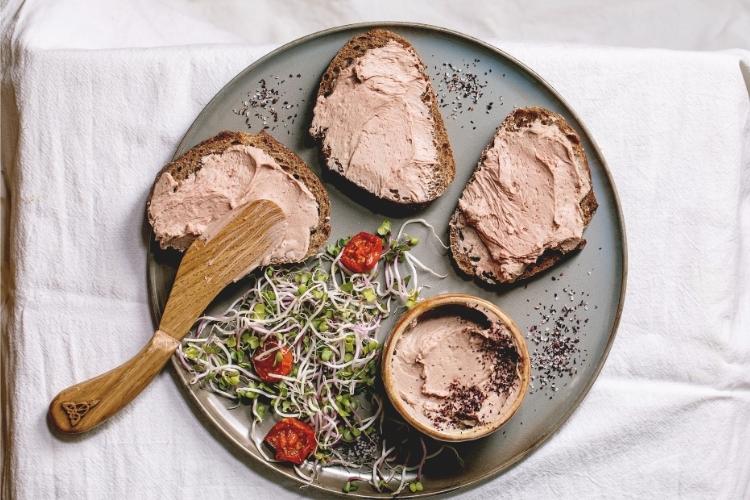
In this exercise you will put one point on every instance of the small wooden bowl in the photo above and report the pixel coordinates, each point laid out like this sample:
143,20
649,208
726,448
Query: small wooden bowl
470,302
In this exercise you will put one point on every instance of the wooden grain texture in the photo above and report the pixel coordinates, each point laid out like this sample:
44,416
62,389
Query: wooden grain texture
206,268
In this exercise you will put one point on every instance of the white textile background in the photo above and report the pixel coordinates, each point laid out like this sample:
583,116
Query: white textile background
84,132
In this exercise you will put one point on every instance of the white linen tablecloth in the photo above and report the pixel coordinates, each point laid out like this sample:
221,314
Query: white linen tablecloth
668,417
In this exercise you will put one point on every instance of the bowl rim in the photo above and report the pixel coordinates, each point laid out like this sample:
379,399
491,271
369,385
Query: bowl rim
401,326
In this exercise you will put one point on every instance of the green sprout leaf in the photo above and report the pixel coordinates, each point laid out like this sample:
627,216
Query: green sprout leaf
231,378
245,392
349,486
416,486
412,299
369,294
259,311
192,353
385,228
254,342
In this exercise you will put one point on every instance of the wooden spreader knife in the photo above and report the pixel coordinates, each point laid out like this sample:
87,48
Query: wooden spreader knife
207,267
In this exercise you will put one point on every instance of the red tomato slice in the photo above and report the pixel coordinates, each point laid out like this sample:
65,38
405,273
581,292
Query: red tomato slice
362,252
292,440
266,361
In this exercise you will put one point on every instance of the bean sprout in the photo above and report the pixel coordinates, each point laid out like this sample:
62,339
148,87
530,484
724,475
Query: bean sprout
328,318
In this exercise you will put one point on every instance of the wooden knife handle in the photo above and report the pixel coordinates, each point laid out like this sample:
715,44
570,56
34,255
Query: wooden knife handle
82,407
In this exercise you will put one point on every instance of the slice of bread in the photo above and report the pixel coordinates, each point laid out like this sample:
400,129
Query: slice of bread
444,171
516,121
190,163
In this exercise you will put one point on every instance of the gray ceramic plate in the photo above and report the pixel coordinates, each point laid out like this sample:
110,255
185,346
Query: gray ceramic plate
596,275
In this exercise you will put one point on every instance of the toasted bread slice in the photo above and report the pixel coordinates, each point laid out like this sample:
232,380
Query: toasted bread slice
441,172
468,254
191,162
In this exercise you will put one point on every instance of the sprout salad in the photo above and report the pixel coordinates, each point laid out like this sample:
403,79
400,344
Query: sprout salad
327,317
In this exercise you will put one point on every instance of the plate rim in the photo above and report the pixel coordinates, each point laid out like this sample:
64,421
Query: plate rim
542,438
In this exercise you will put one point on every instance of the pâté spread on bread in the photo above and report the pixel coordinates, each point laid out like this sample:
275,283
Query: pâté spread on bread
456,368
180,211
377,127
531,194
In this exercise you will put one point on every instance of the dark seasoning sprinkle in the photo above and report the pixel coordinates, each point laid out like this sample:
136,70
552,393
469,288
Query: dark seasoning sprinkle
556,335
263,109
461,408
461,88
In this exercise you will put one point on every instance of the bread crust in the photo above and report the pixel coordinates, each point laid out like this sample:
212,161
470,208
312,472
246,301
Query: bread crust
518,119
190,163
354,49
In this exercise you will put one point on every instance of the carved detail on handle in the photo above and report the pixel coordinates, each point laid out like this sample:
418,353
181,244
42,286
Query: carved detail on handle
85,405
76,411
